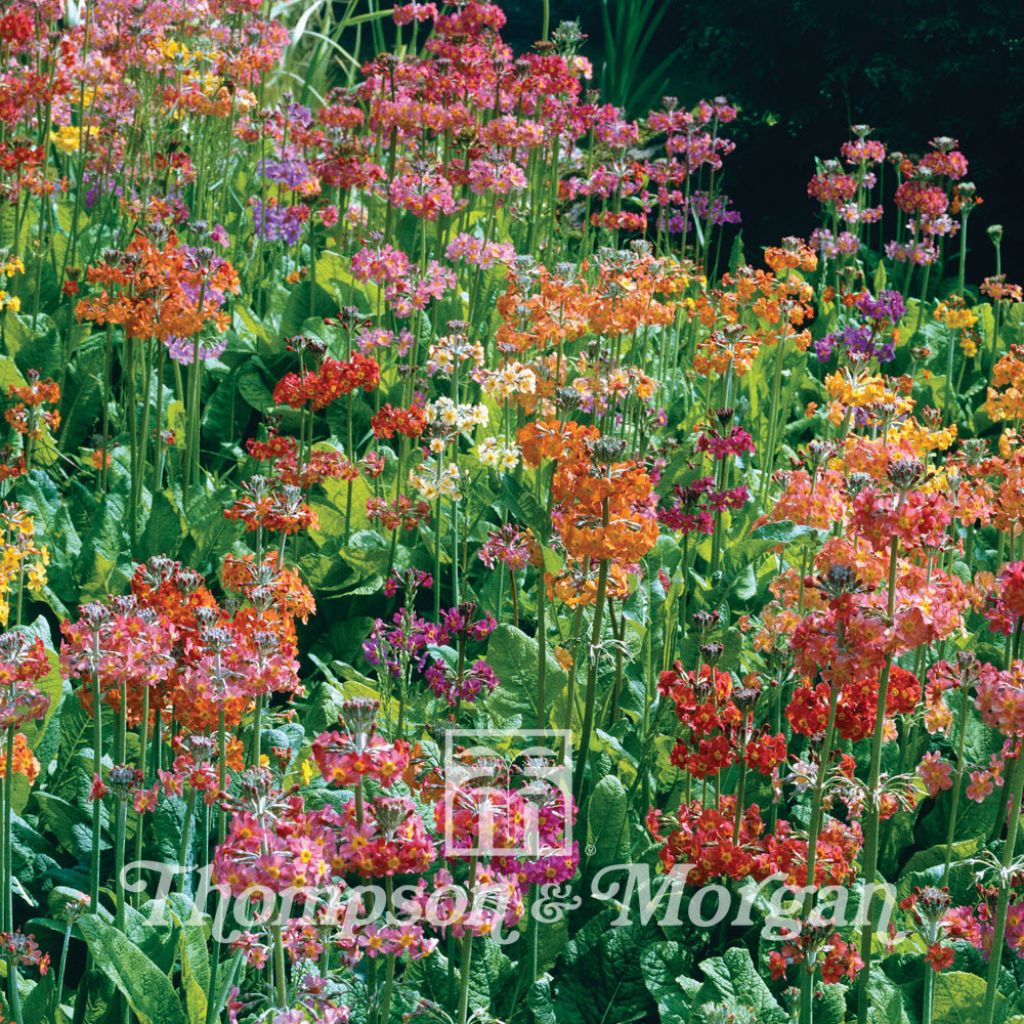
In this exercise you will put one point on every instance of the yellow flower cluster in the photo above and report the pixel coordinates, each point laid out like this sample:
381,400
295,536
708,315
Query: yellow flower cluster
69,138
849,390
954,316
22,562
920,438
9,266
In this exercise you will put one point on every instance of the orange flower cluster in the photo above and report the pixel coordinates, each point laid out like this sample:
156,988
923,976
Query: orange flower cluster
27,415
576,584
23,761
754,308
164,293
605,506
1007,374
550,439
606,510
553,310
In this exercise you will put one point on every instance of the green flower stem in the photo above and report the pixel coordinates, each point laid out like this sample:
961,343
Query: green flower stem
120,831
186,839
389,975
773,419
59,990
591,694
222,817
467,955
280,979
1015,786
97,764
873,830
817,814
957,781
927,1000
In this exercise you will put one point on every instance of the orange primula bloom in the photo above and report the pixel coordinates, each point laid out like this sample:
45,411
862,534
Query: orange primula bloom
161,293
576,585
23,761
552,439
1008,374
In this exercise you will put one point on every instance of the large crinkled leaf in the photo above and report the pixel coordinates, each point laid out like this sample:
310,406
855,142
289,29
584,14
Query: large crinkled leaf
959,998
663,965
608,824
602,980
195,958
733,978
513,656
148,990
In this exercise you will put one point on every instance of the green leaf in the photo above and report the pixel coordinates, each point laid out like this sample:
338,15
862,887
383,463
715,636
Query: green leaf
513,656
782,532
82,400
732,977
830,1004
305,300
52,685
607,823
603,980
958,998
924,859
162,533
525,507
36,1008
885,1001
195,959
661,965
148,990
254,390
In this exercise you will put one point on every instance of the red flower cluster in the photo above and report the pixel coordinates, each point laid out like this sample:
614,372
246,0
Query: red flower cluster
319,388
389,421
716,732
857,703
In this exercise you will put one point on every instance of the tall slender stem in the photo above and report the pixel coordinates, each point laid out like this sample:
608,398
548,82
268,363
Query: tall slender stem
1015,786
873,825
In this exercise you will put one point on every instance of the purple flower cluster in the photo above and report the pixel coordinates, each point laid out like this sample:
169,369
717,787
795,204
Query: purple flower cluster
737,442
292,173
699,207
860,342
831,246
867,341
407,640
459,624
279,223
406,643
889,307
183,350
453,687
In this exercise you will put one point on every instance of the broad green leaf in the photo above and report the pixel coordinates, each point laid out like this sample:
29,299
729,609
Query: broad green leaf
195,959
959,998
148,990
608,823
513,656
661,965
733,978
162,533
602,981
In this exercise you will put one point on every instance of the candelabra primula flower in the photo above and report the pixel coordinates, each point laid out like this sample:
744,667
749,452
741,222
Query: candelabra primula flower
171,293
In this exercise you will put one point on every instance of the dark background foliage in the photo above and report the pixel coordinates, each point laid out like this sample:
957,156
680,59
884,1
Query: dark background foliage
802,71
